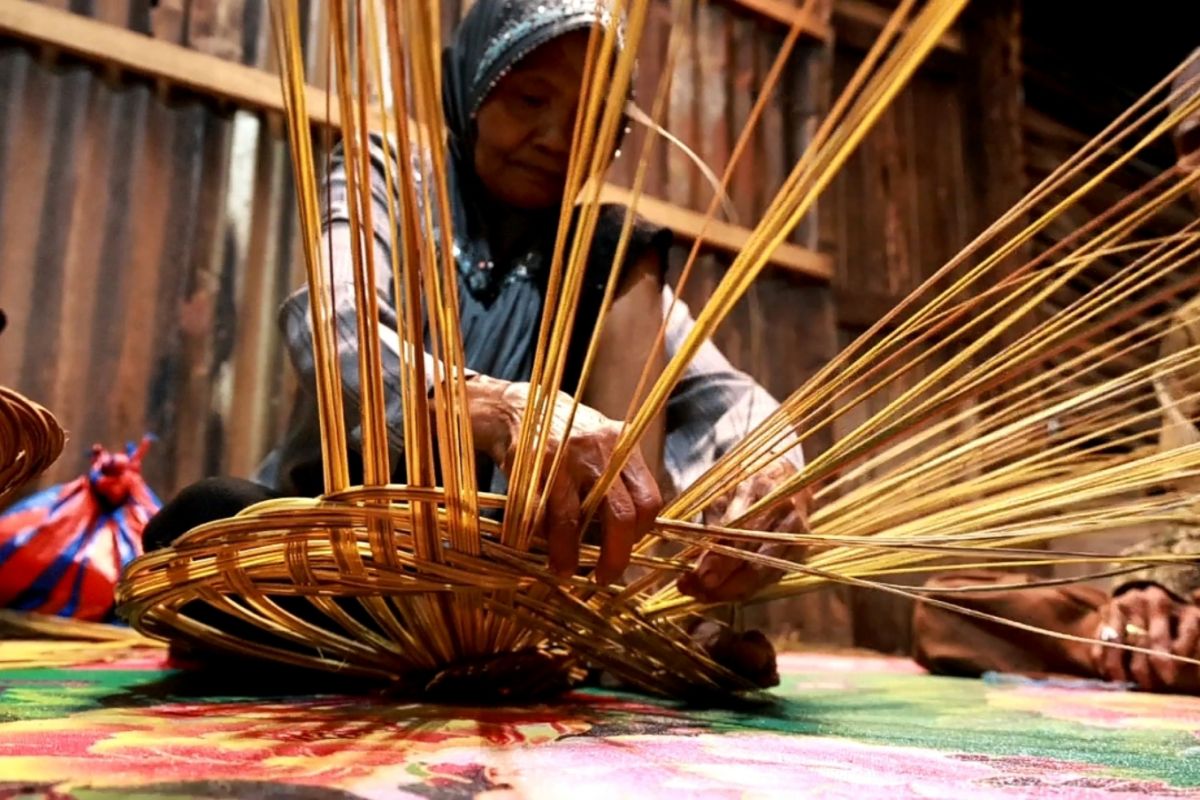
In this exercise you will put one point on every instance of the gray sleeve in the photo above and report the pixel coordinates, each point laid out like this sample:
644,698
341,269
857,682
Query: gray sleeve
714,405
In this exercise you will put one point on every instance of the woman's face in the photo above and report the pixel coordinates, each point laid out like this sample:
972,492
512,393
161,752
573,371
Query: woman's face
526,123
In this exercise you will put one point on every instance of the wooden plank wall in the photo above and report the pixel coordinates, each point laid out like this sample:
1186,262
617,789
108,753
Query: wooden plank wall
900,209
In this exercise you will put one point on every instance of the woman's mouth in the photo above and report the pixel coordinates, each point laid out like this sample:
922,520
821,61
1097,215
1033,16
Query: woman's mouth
543,175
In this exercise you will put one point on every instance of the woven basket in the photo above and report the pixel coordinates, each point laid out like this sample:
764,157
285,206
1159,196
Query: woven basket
334,584
30,441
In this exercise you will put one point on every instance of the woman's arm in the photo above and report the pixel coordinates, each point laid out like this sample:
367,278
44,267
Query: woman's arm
626,343
495,407
714,406
296,317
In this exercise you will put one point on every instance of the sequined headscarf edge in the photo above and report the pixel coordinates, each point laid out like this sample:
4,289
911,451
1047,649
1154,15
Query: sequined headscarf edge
493,37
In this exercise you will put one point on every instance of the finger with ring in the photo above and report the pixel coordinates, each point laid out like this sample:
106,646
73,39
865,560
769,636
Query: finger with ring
1135,630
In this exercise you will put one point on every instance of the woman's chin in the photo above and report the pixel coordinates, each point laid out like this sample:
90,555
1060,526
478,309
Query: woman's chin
532,199
521,192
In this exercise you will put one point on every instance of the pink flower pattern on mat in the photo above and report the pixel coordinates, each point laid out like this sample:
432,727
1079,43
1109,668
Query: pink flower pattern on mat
846,729
762,767
1120,710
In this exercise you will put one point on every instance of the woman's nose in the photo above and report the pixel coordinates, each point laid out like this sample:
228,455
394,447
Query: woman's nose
557,133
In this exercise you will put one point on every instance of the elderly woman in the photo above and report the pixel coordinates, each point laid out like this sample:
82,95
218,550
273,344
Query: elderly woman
512,83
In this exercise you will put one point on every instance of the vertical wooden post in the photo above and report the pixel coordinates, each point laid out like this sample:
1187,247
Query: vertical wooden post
784,356
995,135
995,142
992,32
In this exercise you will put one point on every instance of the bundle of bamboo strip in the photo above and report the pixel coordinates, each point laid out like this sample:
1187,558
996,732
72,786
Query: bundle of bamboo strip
39,640
1011,424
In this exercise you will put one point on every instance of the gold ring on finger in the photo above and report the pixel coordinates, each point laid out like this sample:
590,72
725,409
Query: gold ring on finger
1135,630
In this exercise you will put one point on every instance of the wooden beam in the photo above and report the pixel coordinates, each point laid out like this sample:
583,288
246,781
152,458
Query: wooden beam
257,90
1042,125
806,16
869,15
688,224
172,64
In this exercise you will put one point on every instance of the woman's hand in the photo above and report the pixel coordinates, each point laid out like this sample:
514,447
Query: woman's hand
628,509
1149,617
748,654
722,578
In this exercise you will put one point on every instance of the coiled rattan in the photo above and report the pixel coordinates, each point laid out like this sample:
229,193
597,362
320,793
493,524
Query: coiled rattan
30,441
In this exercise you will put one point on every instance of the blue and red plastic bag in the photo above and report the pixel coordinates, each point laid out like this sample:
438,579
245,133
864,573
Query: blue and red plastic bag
62,549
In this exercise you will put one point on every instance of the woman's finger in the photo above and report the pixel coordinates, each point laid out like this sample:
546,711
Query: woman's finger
1187,645
762,576
1165,671
688,584
739,579
738,583
562,525
1110,661
644,491
749,655
714,514
739,502
1137,619
1187,638
771,519
618,522
784,519
745,582
712,570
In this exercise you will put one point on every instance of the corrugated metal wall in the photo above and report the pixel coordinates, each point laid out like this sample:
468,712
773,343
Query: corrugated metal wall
146,239
143,247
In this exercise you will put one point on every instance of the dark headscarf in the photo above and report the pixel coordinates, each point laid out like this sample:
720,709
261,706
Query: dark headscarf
491,39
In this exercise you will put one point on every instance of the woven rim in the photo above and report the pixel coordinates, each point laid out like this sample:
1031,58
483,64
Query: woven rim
333,584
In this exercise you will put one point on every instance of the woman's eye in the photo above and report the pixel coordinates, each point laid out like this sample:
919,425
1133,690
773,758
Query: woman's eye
533,100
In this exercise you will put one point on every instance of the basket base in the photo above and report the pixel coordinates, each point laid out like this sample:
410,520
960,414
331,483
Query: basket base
527,676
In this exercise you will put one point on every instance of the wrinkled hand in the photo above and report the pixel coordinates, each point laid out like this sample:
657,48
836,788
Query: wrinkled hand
721,578
628,509
1149,617
748,654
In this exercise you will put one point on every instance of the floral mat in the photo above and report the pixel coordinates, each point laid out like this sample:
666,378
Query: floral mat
839,727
